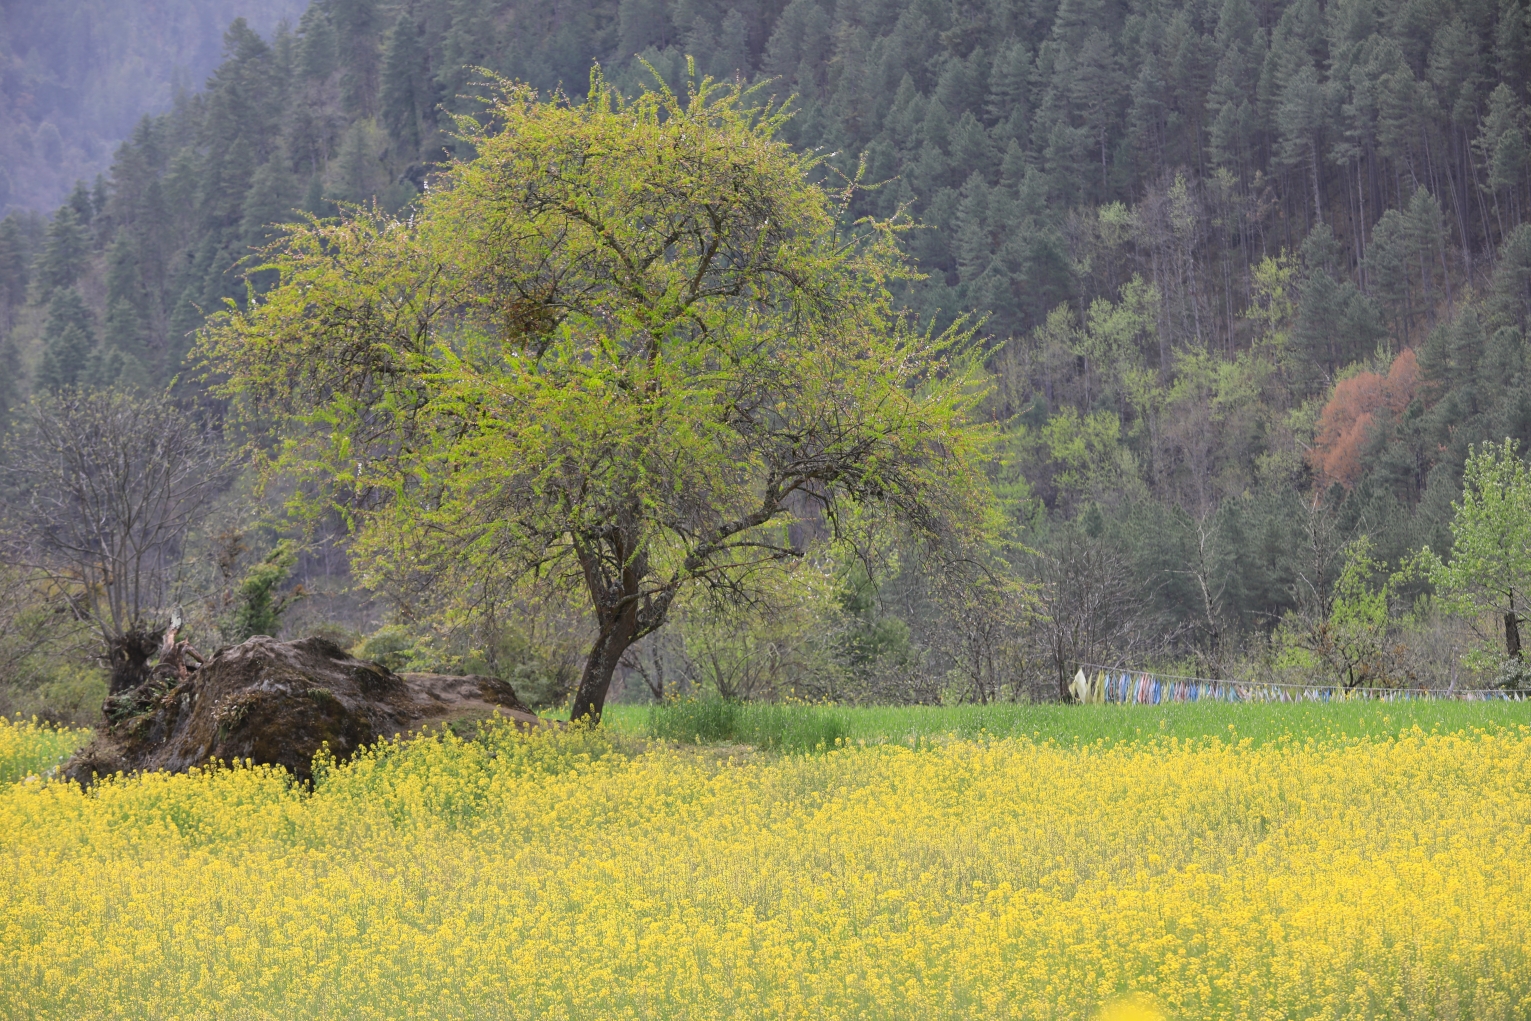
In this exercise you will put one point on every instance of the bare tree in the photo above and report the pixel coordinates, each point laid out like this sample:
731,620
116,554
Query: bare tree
103,487
1211,585
1087,609
973,620
1318,562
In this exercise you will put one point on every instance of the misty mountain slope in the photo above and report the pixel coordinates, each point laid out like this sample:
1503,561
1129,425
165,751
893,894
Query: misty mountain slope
77,75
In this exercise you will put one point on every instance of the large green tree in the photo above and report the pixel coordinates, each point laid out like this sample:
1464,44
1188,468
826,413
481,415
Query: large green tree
624,346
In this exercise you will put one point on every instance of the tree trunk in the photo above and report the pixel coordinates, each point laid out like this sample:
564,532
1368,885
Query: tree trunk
1318,202
595,680
129,654
1512,634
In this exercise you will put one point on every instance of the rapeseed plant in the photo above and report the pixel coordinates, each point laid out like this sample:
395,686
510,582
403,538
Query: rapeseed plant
29,748
559,876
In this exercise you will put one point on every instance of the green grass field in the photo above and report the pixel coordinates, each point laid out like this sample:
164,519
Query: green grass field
805,727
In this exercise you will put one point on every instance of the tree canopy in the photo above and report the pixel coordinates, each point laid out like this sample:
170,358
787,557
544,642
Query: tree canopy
625,345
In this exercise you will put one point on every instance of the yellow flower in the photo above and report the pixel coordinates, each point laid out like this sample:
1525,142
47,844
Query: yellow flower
560,876
1132,1008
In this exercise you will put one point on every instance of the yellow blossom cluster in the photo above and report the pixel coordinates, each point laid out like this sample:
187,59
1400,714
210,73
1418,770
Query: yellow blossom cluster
560,877
28,747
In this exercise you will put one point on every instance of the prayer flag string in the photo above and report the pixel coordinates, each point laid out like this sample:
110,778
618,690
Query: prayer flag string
1142,687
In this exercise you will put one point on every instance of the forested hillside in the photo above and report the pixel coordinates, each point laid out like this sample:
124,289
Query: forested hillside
1253,276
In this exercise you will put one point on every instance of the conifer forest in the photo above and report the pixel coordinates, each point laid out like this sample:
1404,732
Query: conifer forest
1246,286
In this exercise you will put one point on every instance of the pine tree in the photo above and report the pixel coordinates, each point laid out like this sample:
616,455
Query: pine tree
1301,119
1467,344
358,30
1009,100
974,247
1096,91
731,54
644,24
123,279
124,331
318,47
99,195
66,248
1236,25
126,327
1337,325
1512,45
1501,149
359,173
270,201
1510,288
185,320
13,271
80,202
1427,230
67,341
407,101
1387,269
970,145
1146,119
1456,69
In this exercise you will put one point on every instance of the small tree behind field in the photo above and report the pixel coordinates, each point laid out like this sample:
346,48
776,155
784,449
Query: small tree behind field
1488,571
258,608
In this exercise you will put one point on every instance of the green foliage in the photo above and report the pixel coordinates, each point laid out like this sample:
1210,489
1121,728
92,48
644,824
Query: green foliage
869,640
1488,570
65,248
68,690
258,609
1358,621
44,665
542,674
392,647
67,341
1352,633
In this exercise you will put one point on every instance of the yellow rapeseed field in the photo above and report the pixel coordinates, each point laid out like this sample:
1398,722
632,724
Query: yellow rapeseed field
560,877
